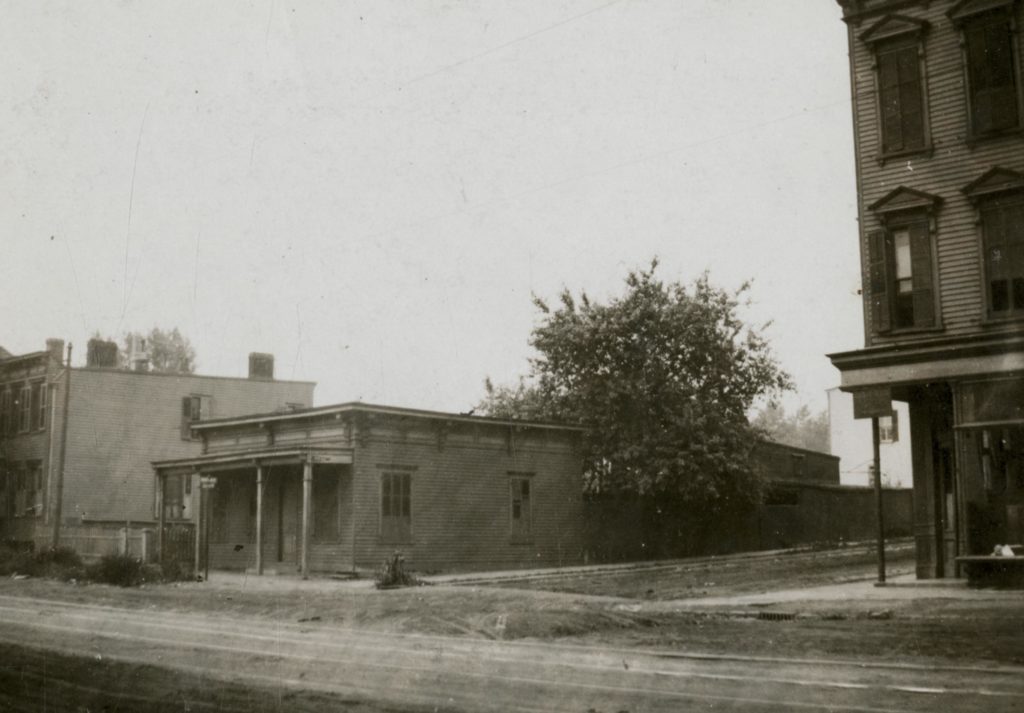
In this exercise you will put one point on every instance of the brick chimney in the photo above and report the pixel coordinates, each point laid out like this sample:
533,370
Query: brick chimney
56,348
261,366
101,353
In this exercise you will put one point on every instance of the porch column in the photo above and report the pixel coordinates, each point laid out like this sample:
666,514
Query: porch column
259,519
197,517
307,493
161,521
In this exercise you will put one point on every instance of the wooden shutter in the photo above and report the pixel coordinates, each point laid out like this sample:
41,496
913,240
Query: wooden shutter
889,96
895,433
921,270
911,108
878,281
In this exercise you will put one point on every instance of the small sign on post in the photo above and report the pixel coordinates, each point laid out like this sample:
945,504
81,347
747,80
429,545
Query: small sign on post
872,403
875,403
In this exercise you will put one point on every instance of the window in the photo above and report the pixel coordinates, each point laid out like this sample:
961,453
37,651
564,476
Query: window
900,98
25,409
990,65
898,45
193,408
520,508
991,80
38,416
28,494
396,507
1002,227
178,497
888,428
901,277
5,407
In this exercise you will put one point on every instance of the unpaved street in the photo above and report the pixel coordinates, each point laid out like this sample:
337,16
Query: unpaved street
479,674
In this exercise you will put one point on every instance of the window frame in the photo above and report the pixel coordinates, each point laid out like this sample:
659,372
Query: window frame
25,408
918,227
890,433
970,15
984,206
521,533
395,529
199,408
895,34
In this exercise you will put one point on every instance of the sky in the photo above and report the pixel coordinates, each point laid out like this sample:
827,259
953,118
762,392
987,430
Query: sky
372,191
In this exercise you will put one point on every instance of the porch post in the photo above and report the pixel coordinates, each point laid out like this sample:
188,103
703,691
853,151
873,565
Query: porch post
307,492
259,519
161,521
197,518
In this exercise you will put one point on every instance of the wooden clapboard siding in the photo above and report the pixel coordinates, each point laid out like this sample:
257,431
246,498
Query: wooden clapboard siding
121,421
460,499
953,162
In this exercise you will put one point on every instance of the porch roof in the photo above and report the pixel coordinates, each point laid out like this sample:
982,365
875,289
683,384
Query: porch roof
930,360
253,457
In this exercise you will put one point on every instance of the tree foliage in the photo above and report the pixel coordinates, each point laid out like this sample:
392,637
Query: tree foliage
169,351
662,377
801,429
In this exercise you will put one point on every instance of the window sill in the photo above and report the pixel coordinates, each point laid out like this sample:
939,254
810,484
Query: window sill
924,152
909,332
973,140
995,322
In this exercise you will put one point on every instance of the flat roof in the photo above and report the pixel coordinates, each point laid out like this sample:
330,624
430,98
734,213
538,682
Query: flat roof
178,375
359,406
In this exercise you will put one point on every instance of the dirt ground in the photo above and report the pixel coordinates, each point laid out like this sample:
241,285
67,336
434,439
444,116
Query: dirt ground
901,629
33,680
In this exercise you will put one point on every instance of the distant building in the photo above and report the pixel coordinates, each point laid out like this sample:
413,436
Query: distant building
341,488
118,421
850,440
938,117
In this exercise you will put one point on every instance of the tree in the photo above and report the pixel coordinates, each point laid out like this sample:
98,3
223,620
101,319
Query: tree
662,377
169,351
801,429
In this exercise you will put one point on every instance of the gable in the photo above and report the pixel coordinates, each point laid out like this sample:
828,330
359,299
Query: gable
994,180
903,198
892,26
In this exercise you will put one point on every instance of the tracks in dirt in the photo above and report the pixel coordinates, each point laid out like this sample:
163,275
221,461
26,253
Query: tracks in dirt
479,674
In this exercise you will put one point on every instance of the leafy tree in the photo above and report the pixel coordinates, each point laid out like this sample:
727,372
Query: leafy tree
169,351
801,429
662,377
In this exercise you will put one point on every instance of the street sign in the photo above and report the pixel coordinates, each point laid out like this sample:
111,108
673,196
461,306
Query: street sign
872,403
207,481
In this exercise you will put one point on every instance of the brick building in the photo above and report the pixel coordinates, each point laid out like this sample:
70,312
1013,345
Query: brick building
118,421
938,118
340,488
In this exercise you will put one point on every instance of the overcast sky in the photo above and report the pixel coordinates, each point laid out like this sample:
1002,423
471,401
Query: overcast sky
372,190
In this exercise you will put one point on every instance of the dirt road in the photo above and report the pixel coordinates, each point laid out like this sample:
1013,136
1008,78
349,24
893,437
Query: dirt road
477,674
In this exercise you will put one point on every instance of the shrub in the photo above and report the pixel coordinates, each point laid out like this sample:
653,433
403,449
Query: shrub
392,573
119,570
60,563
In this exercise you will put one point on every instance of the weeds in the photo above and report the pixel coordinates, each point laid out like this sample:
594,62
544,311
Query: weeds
392,574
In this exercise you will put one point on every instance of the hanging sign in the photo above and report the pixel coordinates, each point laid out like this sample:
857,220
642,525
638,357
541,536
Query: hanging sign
207,481
872,403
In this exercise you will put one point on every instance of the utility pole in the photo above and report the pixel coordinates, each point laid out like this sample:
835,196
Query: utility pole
877,471
58,496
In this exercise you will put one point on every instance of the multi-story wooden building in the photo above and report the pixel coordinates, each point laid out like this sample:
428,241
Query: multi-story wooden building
938,116
118,420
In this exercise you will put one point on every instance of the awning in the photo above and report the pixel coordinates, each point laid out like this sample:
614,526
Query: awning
251,458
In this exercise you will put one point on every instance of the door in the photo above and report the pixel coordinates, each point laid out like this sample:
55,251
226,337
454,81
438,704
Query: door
947,508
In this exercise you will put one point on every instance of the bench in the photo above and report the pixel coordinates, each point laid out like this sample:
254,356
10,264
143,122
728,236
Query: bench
994,571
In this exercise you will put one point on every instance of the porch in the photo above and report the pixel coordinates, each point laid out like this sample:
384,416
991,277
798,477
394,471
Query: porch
275,511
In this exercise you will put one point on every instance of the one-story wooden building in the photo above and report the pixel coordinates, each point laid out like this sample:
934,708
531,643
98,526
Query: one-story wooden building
340,488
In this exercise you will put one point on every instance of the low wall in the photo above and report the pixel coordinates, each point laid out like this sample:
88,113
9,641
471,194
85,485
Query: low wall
94,541
627,529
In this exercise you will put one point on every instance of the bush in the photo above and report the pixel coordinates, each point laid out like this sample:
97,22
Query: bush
60,563
119,570
392,573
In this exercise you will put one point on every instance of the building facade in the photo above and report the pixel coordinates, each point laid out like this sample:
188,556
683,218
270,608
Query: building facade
938,117
118,420
341,488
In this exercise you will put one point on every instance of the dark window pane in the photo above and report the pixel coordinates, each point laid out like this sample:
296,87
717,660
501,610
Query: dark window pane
1018,293
1000,296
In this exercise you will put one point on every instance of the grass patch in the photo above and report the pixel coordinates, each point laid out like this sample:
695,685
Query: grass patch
64,564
